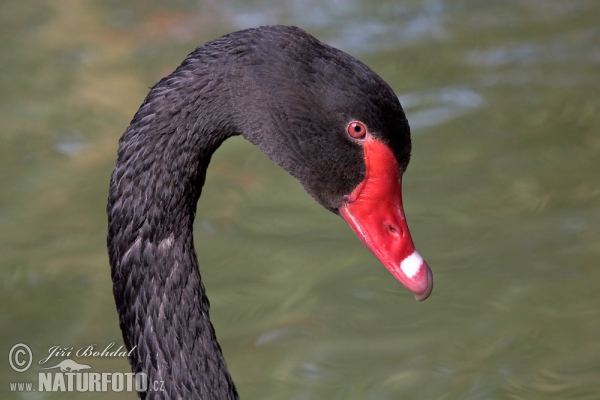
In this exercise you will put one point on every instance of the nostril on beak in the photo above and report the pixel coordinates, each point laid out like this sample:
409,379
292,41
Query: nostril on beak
393,229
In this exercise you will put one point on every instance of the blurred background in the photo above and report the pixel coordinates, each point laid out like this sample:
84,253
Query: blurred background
502,196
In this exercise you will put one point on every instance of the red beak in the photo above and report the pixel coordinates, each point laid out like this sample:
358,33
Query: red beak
374,211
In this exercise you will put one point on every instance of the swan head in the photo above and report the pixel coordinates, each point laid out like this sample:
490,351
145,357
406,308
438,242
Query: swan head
336,126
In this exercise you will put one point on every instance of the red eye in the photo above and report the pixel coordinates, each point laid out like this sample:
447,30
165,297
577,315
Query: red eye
357,130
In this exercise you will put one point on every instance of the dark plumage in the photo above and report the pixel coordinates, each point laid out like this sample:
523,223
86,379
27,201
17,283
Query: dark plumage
284,91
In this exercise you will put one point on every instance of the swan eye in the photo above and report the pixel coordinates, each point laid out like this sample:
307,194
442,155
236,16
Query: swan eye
357,130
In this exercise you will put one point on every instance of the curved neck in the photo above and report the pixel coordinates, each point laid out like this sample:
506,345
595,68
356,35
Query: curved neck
154,189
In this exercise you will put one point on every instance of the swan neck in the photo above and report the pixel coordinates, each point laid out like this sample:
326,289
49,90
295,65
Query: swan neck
154,189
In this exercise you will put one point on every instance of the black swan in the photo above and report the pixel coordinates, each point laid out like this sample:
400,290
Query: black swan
322,115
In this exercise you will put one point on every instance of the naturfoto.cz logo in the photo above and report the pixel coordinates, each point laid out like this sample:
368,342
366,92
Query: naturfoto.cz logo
70,376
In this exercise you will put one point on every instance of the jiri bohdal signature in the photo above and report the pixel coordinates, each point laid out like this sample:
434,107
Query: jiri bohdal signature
91,350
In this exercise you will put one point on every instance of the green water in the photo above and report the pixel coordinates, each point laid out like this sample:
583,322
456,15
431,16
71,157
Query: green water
502,197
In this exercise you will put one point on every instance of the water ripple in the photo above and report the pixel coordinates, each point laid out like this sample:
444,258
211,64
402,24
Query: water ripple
439,106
